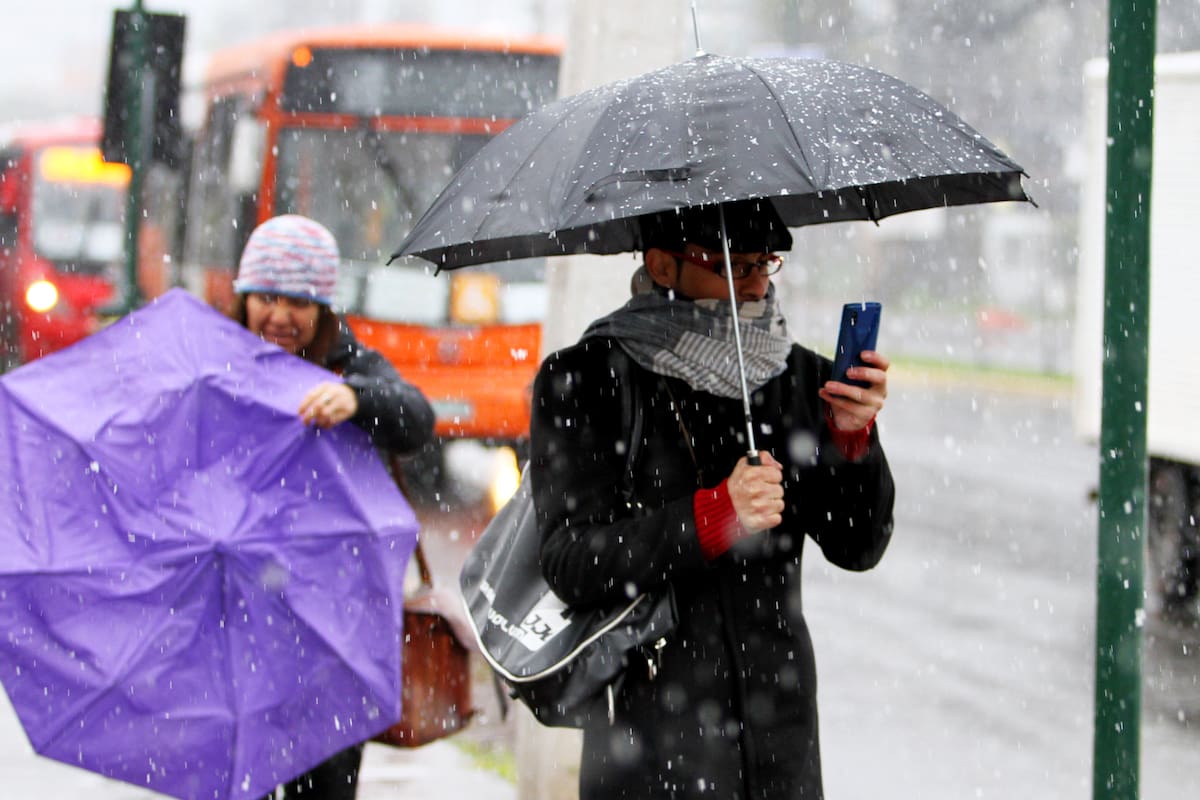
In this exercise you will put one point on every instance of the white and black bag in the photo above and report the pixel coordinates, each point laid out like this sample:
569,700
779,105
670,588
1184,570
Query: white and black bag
564,663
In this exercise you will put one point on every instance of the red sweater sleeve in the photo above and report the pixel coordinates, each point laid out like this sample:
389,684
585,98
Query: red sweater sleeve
717,525
853,445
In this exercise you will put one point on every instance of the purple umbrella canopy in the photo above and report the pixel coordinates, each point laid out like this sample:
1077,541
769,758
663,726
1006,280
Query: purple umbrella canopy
199,594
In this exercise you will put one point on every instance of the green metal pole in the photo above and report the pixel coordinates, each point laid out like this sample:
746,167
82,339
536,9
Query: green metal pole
1119,606
135,151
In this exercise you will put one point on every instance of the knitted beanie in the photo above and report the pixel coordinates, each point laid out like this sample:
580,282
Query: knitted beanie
290,255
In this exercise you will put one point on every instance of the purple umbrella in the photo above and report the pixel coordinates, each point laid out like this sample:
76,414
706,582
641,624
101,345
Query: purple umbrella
198,593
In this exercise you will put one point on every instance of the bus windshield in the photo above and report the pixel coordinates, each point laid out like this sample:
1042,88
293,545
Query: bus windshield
369,188
78,211
78,217
418,82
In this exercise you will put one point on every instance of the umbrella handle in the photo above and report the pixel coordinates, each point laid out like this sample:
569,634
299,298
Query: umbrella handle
422,566
752,458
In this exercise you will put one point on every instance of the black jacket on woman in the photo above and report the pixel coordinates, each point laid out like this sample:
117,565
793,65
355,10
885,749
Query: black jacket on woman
732,710
390,409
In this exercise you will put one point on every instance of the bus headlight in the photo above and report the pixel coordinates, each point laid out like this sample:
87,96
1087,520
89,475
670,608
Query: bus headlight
41,296
506,476
475,298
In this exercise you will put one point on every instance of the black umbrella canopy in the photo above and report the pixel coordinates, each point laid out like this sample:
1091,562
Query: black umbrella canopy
825,140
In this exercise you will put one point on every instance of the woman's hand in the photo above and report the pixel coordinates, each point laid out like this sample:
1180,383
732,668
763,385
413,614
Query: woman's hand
328,404
852,407
757,493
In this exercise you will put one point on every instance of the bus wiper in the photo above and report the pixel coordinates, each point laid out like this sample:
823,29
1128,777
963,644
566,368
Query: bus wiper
91,214
387,164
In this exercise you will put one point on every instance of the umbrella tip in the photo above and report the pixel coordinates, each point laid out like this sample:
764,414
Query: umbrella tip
696,29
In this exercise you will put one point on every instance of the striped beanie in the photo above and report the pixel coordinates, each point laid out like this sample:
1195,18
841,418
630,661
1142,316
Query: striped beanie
290,255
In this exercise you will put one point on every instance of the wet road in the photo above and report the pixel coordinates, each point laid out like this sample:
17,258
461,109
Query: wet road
963,665
961,668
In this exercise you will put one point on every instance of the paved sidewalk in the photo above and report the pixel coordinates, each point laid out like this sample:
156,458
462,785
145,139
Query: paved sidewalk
439,770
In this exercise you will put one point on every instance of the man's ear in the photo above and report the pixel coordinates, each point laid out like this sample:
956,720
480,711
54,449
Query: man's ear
662,266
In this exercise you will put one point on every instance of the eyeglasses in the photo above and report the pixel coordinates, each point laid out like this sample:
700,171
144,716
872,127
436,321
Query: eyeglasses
767,264
294,303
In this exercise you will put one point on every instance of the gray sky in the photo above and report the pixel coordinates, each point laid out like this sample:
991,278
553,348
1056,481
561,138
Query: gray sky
54,53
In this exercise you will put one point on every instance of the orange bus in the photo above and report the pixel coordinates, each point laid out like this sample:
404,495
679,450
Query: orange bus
360,128
62,234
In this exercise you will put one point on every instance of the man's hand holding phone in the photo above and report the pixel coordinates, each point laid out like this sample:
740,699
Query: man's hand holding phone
852,407
856,392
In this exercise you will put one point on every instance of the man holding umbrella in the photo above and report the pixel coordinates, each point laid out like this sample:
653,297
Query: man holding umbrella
637,164
730,709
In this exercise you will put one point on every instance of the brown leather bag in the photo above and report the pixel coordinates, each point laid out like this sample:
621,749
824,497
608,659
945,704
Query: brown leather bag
435,669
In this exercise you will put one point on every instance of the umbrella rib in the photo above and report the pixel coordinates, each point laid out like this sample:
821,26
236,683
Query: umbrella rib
803,153
517,172
864,190
341,655
72,442
227,680
129,661
344,655
618,175
962,133
559,123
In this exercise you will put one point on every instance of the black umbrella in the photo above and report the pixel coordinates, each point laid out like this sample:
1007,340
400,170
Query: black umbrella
824,141
828,141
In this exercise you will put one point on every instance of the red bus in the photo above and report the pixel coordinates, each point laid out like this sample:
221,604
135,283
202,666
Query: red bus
360,128
62,234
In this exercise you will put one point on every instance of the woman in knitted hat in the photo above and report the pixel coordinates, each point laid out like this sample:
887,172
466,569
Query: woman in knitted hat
285,288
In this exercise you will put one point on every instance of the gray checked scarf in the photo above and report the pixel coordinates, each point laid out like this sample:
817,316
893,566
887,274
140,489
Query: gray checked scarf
693,340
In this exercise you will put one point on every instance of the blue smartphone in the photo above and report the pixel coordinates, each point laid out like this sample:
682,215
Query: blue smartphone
858,332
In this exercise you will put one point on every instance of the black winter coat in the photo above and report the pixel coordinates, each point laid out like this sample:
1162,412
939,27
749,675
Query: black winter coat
732,711
394,412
